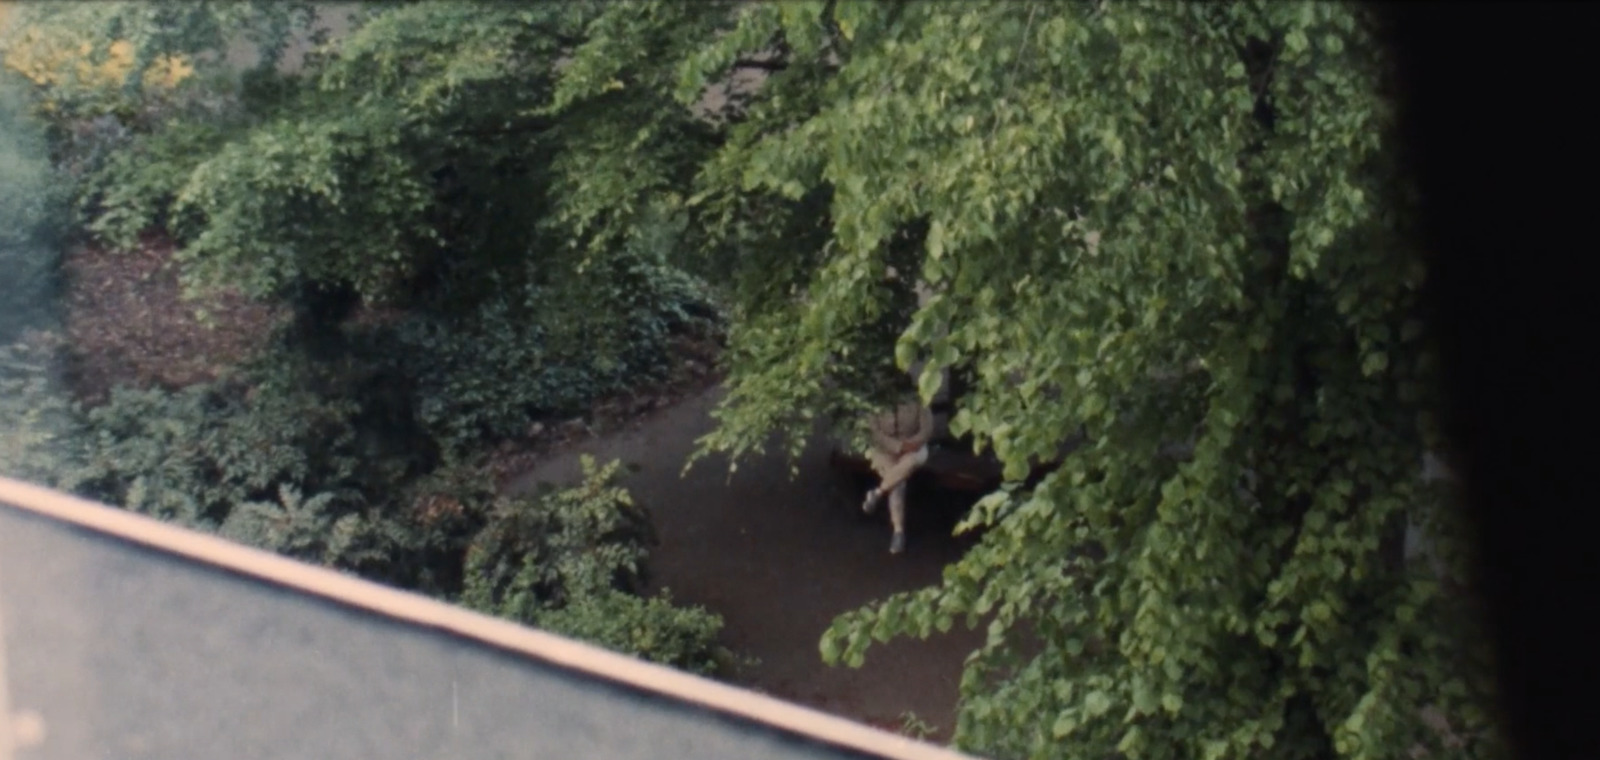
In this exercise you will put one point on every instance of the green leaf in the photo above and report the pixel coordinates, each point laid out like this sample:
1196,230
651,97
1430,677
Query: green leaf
1065,724
935,240
1172,492
1144,697
1374,363
1096,703
830,648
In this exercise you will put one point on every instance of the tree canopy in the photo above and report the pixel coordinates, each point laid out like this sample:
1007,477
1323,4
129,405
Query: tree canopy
1164,222
1159,223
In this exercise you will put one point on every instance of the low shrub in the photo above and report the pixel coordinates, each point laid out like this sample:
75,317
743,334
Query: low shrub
572,561
266,460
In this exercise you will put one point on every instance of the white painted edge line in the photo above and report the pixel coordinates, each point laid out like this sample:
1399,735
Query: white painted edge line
421,610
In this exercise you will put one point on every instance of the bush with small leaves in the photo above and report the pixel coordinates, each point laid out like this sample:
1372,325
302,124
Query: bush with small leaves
41,435
650,627
532,351
572,560
32,202
196,454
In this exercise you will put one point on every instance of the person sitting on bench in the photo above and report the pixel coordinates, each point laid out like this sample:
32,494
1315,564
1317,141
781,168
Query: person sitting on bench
899,447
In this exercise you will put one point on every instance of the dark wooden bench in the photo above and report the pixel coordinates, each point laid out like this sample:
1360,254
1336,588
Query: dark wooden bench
946,468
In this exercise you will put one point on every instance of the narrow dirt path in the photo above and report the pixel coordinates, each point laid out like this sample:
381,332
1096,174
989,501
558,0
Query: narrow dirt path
779,558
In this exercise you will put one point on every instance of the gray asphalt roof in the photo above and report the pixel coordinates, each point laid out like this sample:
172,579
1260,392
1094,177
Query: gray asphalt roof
113,648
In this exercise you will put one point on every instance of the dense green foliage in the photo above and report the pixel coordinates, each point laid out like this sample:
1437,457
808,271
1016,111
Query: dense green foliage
1180,227
270,464
544,350
364,180
1168,223
558,563
40,435
30,216
405,166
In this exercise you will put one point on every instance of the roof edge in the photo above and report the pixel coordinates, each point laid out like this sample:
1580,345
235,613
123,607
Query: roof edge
505,635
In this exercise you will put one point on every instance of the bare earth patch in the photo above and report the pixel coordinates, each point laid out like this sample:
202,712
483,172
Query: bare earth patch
128,324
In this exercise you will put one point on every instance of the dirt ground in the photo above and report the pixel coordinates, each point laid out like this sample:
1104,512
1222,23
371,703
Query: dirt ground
780,558
127,322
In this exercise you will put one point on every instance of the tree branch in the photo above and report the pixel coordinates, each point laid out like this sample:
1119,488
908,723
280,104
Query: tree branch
764,65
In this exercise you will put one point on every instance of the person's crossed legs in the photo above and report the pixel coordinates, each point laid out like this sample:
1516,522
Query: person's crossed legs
894,472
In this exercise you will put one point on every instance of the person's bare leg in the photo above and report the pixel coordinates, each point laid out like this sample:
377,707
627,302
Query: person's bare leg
893,473
900,472
897,516
882,464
